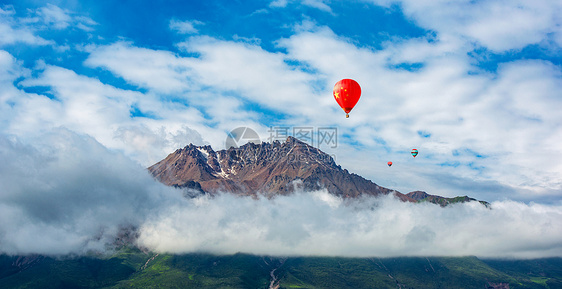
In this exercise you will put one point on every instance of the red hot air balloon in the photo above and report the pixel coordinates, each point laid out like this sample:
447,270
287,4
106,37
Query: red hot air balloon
347,93
389,164
414,152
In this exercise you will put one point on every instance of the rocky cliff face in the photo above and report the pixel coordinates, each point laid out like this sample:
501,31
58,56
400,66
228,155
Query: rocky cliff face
267,168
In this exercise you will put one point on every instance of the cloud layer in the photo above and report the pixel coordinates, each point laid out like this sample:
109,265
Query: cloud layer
319,224
65,193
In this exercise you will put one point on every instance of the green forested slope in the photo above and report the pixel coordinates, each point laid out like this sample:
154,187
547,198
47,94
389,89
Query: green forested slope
132,268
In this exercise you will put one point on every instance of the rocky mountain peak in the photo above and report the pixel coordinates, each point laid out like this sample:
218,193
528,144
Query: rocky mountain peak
266,168
271,169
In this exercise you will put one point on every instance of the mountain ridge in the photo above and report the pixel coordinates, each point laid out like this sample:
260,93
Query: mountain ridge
270,169
266,168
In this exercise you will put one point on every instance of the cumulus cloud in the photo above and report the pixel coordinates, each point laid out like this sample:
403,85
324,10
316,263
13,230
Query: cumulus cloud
76,101
258,75
220,69
161,70
10,70
103,111
144,125
317,223
497,25
62,193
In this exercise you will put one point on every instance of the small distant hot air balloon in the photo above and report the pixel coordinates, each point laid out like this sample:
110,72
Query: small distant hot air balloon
389,164
414,152
347,93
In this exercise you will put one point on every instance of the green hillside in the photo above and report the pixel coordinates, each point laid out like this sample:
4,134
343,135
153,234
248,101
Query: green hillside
132,268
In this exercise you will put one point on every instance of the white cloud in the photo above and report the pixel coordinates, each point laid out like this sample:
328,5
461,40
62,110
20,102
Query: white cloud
185,27
86,105
10,70
85,23
278,3
312,224
317,4
55,16
159,70
150,142
52,16
497,25
254,73
67,194
11,31
81,103
222,68
14,30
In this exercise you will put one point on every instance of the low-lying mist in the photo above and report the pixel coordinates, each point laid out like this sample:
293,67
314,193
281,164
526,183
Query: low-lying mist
320,224
65,193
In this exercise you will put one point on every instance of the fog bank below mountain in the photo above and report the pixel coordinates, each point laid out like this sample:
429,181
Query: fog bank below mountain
320,224
64,193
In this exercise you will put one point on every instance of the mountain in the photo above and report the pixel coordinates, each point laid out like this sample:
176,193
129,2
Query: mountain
270,169
267,168
420,196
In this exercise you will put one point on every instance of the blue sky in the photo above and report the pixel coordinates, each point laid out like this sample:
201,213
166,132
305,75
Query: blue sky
475,86
93,92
